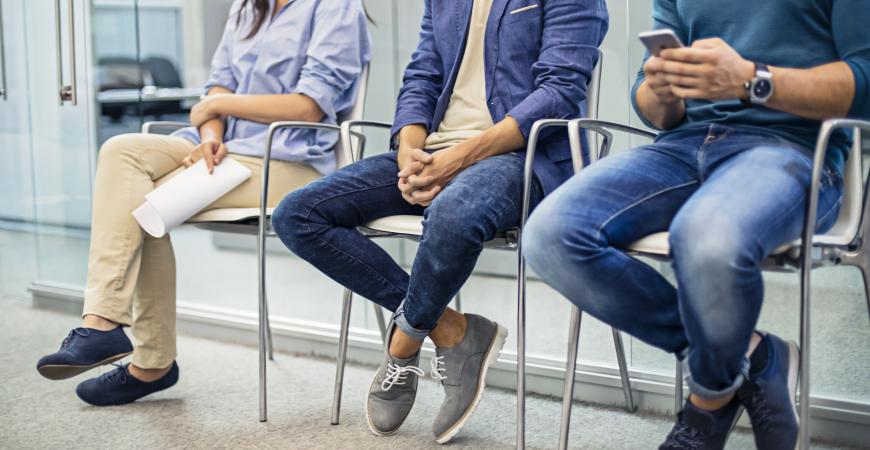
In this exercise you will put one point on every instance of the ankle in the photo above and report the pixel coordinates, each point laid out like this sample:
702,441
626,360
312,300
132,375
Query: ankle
450,329
148,375
403,346
708,404
98,323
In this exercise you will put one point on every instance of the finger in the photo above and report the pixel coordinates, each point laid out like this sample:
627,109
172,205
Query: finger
418,181
221,154
421,156
187,162
687,55
208,156
653,64
404,187
688,92
426,195
682,81
708,43
685,69
411,168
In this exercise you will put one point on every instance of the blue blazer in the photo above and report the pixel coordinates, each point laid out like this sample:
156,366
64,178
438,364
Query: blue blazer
539,56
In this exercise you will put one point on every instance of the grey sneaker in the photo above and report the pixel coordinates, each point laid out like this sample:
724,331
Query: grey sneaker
462,372
392,392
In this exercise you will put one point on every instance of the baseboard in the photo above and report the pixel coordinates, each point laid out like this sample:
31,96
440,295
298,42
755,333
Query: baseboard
833,420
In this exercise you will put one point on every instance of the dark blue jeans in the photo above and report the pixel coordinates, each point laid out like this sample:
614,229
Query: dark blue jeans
728,196
318,223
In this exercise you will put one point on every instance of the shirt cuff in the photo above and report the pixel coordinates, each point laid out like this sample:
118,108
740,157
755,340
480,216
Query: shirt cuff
537,105
322,94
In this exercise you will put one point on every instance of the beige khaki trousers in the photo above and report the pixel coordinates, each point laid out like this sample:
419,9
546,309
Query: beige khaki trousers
131,275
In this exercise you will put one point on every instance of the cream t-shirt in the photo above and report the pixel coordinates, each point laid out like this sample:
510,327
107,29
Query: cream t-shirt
467,114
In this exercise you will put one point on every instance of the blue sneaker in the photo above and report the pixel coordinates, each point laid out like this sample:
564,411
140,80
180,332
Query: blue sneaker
697,429
118,387
82,350
769,396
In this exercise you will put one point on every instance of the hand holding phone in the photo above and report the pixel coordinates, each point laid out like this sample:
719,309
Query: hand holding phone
658,40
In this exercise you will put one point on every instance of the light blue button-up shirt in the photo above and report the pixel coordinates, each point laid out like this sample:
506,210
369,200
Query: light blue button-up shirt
311,47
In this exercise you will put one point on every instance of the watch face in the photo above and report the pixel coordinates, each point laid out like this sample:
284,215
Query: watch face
762,89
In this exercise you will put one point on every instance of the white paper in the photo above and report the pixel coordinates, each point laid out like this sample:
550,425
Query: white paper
186,194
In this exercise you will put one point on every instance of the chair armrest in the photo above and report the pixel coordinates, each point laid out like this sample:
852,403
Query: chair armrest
531,148
810,216
604,127
347,132
148,126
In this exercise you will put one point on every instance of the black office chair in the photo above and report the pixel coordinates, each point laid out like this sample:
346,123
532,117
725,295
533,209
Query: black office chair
163,75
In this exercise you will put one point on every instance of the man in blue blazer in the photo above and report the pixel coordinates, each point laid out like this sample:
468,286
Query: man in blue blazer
484,71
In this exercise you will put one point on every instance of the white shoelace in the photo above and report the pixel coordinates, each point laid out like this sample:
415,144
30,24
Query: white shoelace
397,374
438,368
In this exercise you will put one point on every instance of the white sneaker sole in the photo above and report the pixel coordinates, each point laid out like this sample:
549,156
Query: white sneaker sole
491,356
794,362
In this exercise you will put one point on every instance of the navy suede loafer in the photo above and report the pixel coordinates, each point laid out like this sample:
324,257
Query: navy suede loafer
82,350
118,387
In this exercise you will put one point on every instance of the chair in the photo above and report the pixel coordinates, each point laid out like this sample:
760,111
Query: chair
411,227
843,245
255,221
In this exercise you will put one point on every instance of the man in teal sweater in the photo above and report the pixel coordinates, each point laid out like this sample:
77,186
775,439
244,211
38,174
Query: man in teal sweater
740,108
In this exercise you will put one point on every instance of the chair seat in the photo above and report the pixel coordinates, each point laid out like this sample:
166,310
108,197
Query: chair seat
228,215
657,244
410,225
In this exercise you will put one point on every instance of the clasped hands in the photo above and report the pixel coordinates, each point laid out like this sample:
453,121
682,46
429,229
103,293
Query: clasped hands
708,70
422,176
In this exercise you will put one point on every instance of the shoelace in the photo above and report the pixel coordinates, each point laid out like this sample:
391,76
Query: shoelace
438,369
83,332
117,375
684,437
758,408
397,374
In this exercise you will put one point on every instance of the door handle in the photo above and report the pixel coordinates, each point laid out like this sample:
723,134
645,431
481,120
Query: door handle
66,92
2,56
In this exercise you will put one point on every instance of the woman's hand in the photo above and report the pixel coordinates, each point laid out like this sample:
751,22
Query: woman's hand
212,151
207,109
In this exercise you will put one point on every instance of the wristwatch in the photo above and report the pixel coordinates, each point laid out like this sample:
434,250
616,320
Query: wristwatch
760,88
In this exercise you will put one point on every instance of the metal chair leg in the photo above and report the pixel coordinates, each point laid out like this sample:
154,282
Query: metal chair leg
623,371
570,374
678,388
263,324
342,355
804,374
382,324
521,351
458,302
270,349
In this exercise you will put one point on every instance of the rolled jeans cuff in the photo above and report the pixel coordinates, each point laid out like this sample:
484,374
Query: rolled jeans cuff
706,393
402,323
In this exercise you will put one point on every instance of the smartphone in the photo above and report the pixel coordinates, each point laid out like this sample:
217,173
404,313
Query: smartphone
658,40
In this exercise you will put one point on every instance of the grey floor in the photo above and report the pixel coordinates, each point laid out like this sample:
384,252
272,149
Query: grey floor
215,405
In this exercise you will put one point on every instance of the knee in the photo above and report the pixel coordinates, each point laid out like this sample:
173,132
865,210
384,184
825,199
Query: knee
290,218
554,239
712,245
119,148
454,220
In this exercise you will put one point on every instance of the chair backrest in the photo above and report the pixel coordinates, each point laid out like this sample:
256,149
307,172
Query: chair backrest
593,91
163,72
344,156
849,220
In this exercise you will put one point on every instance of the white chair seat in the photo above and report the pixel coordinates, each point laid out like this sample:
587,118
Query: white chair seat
228,215
657,244
412,225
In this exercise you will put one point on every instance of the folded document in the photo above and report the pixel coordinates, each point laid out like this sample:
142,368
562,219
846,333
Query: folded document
186,194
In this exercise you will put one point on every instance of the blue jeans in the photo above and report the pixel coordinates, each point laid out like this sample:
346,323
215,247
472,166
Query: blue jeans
318,223
728,196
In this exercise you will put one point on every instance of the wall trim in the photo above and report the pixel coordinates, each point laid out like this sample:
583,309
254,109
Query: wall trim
834,420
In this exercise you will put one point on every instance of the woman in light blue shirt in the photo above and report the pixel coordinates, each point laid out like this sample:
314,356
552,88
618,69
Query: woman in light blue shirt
278,60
